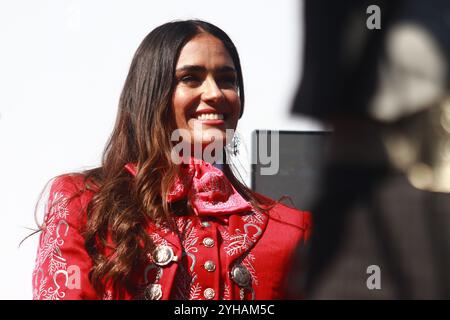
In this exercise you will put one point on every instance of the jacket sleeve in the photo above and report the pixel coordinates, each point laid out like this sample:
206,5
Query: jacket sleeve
62,262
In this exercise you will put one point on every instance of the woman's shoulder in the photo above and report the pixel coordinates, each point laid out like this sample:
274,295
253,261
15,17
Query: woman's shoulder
73,184
282,213
73,181
69,195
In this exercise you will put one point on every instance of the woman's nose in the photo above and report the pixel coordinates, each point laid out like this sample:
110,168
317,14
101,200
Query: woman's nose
211,91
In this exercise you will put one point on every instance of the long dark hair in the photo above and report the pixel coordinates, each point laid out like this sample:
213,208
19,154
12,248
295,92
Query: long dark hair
123,205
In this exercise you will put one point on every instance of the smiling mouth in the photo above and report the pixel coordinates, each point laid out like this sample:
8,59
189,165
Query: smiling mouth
210,116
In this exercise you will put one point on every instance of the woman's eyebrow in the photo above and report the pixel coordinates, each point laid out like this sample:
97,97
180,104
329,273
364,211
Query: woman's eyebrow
197,68
225,69
191,68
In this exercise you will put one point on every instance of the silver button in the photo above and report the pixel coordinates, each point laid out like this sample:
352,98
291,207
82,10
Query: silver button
208,242
206,224
241,276
209,266
209,293
163,255
153,292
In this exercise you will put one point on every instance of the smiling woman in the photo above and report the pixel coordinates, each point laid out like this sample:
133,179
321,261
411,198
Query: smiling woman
206,92
142,226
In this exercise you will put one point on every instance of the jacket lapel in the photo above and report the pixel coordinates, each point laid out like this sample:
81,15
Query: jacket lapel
242,234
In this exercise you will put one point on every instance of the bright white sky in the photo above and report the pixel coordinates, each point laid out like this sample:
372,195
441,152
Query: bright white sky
62,67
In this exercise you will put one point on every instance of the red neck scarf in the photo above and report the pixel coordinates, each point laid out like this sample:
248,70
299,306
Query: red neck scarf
207,189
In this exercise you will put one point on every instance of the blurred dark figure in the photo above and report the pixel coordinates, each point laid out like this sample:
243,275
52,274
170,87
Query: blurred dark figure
384,197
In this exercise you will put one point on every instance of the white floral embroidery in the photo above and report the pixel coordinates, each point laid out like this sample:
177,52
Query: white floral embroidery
186,284
255,217
50,250
190,238
194,292
241,241
54,294
248,262
226,293
157,239
238,243
41,291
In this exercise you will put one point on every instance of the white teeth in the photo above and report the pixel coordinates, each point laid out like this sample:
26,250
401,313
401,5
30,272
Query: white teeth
210,116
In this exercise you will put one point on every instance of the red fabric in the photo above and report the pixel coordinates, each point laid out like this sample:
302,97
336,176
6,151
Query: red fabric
263,243
62,263
207,189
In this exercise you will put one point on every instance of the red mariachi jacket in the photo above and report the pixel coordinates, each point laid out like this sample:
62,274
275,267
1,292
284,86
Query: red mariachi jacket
225,250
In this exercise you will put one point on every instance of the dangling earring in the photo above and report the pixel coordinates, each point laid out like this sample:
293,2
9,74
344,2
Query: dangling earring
235,143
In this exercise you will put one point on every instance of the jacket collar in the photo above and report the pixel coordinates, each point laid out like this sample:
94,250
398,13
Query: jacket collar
212,195
206,187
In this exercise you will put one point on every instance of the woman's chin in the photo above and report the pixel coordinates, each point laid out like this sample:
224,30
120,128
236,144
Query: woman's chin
209,146
218,139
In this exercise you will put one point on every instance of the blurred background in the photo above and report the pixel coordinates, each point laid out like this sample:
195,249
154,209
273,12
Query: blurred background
378,73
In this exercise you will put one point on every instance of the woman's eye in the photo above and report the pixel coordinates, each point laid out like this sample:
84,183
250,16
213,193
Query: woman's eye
229,81
190,79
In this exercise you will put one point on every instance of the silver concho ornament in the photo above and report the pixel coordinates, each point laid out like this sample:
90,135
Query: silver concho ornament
163,255
241,276
153,292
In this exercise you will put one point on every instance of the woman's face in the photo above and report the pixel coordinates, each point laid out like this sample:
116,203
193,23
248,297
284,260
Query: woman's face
205,101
